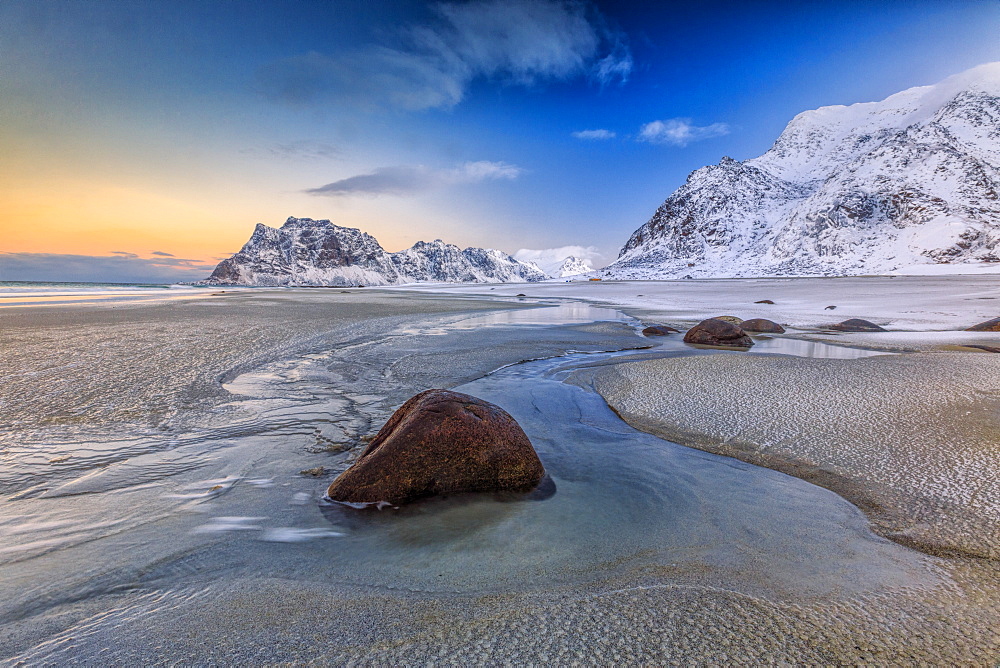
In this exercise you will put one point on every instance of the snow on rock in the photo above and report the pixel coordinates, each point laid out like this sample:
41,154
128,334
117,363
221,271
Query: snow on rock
574,266
560,262
317,252
875,187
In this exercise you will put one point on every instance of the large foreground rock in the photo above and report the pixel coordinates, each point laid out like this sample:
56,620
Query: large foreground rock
438,443
717,332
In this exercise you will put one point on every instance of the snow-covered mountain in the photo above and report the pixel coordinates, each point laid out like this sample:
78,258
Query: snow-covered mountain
574,266
317,252
874,187
559,262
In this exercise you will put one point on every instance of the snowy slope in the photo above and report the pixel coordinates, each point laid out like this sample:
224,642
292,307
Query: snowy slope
317,252
875,187
574,266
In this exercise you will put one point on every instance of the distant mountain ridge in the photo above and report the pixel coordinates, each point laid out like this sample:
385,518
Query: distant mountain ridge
304,251
574,266
873,187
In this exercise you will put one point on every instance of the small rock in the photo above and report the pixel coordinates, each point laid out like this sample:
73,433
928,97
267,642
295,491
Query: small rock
988,326
520,294
658,330
317,472
764,301
762,325
856,325
989,349
438,443
717,332
829,308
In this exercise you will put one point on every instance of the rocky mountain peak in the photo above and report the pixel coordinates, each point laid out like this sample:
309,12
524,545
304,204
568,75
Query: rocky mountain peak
873,187
304,251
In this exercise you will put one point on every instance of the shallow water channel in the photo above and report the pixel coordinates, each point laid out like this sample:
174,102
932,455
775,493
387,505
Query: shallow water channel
624,500
224,500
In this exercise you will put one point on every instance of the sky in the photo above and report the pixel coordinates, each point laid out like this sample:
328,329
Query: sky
142,141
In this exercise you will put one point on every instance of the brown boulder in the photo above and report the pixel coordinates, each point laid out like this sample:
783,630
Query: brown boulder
988,326
732,319
856,325
658,330
716,332
437,443
763,326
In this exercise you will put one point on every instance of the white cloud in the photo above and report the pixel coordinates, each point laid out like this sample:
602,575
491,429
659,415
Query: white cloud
594,134
413,179
517,41
680,132
550,260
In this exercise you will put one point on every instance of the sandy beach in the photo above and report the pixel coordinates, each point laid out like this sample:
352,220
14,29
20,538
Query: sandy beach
157,510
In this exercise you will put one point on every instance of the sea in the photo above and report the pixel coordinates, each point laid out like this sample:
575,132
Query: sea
42,293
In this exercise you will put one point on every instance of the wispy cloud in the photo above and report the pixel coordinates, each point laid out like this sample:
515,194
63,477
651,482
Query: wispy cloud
296,150
512,41
550,260
119,267
162,254
679,132
594,134
413,179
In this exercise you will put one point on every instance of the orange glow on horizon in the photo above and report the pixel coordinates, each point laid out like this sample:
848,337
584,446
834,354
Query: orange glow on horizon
97,219
89,219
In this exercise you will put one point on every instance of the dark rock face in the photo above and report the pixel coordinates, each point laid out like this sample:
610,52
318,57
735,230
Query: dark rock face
715,332
762,325
988,326
438,443
658,330
856,325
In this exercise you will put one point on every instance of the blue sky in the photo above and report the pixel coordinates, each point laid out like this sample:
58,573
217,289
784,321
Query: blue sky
159,133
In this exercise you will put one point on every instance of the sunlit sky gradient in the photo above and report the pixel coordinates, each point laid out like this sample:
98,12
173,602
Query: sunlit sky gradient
133,128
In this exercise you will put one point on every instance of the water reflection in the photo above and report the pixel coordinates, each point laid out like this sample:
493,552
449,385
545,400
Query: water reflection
563,314
800,348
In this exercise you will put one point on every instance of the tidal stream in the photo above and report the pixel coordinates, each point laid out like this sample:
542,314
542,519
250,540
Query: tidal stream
132,542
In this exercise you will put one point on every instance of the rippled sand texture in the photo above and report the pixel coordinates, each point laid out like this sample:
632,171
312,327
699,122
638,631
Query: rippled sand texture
913,439
162,504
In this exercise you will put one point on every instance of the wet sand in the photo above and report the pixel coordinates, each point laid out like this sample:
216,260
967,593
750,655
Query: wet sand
913,440
154,541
